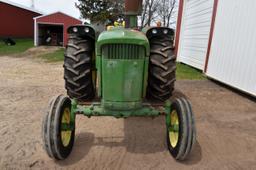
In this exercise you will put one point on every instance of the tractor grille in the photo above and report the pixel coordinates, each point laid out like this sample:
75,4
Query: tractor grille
123,51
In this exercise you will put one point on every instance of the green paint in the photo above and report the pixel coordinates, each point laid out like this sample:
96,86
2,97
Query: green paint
122,80
167,115
133,21
96,109
99,73
67,127
122,65
120,35
145,77
73,114
121,106
174,128
121,110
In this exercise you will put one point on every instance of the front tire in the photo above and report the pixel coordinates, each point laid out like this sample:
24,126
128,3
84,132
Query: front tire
181,131
58,143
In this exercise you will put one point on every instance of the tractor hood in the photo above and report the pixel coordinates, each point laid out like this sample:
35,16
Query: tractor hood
122,36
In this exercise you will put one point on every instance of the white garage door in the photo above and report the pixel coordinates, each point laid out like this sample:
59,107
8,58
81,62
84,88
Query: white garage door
194,33
233,54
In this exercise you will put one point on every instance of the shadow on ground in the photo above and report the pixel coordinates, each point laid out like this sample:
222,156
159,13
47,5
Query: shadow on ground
142,135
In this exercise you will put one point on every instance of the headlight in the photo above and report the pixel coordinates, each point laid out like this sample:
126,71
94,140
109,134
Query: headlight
86,29
75,29
154,31
165,31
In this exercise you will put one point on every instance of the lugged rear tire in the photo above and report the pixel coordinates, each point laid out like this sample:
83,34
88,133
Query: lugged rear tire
78,68
162,68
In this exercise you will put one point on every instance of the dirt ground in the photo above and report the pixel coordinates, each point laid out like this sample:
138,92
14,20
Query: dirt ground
226,126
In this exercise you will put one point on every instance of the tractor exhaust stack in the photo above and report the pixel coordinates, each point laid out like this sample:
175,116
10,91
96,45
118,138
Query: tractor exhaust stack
133,8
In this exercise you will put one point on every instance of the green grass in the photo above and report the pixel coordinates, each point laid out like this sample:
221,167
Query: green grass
183,71
21,46
54,57
189,73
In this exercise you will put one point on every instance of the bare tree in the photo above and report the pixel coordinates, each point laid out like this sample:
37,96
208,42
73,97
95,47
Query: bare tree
166,10
149,12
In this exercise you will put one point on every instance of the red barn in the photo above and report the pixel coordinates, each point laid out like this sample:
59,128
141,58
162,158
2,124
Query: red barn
51,29
16,20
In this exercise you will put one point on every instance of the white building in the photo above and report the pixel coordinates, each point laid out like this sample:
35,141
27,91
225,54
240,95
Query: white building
219,38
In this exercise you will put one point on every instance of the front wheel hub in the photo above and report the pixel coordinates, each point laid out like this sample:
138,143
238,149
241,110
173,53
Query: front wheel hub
66,134
174,128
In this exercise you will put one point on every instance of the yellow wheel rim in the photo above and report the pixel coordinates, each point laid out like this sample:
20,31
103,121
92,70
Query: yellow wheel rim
66,135
174,128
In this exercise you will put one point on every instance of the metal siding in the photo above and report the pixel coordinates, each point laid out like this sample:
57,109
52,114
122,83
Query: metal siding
60,18
195,29
16,22
233,54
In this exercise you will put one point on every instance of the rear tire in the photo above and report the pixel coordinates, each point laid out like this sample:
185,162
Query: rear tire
78,68
162,67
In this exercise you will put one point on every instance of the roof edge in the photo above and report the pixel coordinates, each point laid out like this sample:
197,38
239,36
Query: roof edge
35,18
21,6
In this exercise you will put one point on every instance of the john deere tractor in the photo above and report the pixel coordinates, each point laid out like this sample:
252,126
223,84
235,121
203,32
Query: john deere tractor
122,73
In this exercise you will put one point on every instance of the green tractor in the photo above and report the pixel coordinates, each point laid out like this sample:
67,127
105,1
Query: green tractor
121,74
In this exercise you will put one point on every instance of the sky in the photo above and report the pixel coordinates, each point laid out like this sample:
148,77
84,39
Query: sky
50,6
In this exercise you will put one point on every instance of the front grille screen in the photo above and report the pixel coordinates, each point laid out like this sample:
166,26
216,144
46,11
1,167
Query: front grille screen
123,51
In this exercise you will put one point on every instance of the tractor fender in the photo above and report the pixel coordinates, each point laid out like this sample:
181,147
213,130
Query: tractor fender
152,32
82,31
